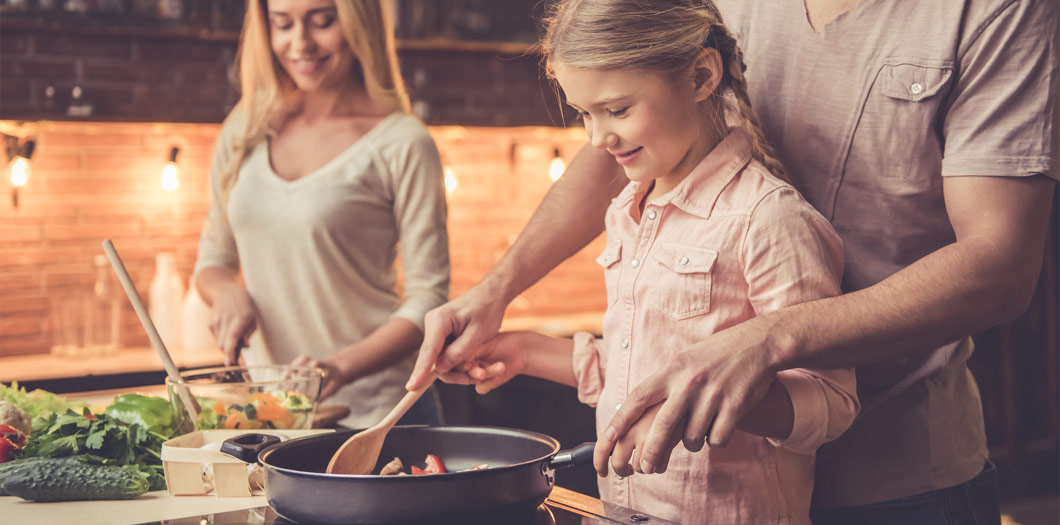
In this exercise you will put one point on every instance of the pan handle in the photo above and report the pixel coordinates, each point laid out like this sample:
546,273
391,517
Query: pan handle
247,446
574,457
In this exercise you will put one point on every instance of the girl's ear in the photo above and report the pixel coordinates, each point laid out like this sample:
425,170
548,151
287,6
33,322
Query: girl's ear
707,72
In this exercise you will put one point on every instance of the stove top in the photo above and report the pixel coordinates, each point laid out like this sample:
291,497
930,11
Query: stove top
563,507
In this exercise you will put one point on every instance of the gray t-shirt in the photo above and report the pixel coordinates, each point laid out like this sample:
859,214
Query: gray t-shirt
869,114
318,253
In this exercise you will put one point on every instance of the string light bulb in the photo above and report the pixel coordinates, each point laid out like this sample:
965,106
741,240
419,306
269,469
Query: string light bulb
557,166
20,169
170,172
450,180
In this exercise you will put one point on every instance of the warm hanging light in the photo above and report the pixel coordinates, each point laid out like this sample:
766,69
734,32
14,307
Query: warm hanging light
556,167
170,172
20,169
450,180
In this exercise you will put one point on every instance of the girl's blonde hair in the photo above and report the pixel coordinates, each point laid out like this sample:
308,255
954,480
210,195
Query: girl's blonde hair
662,36
268,94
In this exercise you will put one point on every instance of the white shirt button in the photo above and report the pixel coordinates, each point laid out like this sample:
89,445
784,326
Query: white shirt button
625,343
916,88
651,214
682,261
635,263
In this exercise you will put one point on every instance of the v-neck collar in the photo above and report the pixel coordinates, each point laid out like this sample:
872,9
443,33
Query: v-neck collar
328,166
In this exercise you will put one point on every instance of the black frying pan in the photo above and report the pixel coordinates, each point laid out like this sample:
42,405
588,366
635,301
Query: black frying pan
519,478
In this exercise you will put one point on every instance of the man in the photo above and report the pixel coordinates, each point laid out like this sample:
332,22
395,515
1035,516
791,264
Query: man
923,131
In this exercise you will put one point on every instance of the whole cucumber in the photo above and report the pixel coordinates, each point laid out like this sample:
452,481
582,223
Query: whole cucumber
10,467
64,481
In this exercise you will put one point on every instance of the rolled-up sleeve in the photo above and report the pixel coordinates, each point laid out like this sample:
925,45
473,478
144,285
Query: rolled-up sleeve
792,255
588,366
420,215
217,246
824,403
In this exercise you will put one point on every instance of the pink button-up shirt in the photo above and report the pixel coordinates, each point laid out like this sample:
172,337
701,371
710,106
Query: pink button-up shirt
728,243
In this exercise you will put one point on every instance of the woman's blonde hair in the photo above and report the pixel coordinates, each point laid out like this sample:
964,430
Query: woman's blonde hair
662,36
268,94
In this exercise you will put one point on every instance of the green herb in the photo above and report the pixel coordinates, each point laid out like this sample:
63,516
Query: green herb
111,440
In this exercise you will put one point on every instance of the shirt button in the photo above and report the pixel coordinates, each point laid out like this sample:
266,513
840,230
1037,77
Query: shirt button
635,263
916,88
651,214
682,261
625,343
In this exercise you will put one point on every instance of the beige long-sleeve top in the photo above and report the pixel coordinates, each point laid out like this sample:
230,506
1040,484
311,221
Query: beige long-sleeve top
318,253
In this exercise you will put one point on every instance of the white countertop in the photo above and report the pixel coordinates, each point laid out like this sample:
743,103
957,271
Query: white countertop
150,507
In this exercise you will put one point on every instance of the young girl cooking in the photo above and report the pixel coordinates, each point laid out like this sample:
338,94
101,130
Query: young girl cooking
707,234
319,174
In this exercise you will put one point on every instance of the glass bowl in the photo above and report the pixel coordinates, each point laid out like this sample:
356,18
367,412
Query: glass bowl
248,397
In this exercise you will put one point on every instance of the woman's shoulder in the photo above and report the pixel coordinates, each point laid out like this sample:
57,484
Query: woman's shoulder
401,133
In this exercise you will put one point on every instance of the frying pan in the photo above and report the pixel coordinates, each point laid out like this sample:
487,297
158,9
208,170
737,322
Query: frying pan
520,475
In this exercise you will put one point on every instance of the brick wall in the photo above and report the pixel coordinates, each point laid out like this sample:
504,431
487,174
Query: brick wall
92,181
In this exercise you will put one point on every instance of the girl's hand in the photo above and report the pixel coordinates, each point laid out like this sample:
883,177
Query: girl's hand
233,317
334,378
625,459
499,359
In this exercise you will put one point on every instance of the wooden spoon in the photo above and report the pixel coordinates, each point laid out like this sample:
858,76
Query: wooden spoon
359,454
152,333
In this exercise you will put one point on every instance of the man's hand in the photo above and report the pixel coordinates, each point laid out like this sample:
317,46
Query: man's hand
705,392
628,450
499,360
465,323
233,317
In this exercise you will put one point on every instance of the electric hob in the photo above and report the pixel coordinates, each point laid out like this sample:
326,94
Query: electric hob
563,507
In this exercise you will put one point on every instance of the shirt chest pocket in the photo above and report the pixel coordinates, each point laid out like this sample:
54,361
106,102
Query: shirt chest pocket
609,260
899,116
682,280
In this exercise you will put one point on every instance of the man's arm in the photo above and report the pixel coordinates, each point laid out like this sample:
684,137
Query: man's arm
986,277
570,216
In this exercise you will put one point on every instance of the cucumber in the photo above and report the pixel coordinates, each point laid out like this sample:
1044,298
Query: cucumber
10,467
57,480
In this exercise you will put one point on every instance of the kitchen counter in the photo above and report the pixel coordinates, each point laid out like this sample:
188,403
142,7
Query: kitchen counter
40,367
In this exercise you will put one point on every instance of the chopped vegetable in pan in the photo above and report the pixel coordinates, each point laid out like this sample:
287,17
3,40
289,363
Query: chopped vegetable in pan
432,465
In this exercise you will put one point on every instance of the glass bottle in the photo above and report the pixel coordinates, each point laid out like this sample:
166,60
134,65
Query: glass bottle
103,312
165,301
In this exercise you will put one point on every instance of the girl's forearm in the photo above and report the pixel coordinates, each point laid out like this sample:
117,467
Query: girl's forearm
773,417
550,358
212,281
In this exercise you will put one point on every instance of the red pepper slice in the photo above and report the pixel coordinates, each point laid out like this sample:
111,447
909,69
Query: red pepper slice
17,438
6,447
434,465
417,471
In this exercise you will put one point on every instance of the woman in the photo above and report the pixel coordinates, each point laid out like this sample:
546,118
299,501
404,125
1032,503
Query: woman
318,175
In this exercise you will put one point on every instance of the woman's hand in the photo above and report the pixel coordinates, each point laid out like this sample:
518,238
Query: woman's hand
334,377
233,317
499,359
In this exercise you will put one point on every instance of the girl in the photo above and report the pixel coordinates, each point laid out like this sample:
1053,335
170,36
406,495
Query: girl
707,234
318,174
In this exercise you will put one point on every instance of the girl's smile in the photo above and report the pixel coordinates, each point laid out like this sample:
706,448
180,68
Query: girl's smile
653,124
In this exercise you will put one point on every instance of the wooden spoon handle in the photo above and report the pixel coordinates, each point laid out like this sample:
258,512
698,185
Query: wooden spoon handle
406,403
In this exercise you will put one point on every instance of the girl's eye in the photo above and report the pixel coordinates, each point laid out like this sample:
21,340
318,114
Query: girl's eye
584,115
617,112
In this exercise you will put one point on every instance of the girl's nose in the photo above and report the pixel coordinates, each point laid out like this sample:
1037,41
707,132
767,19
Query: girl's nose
601,137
